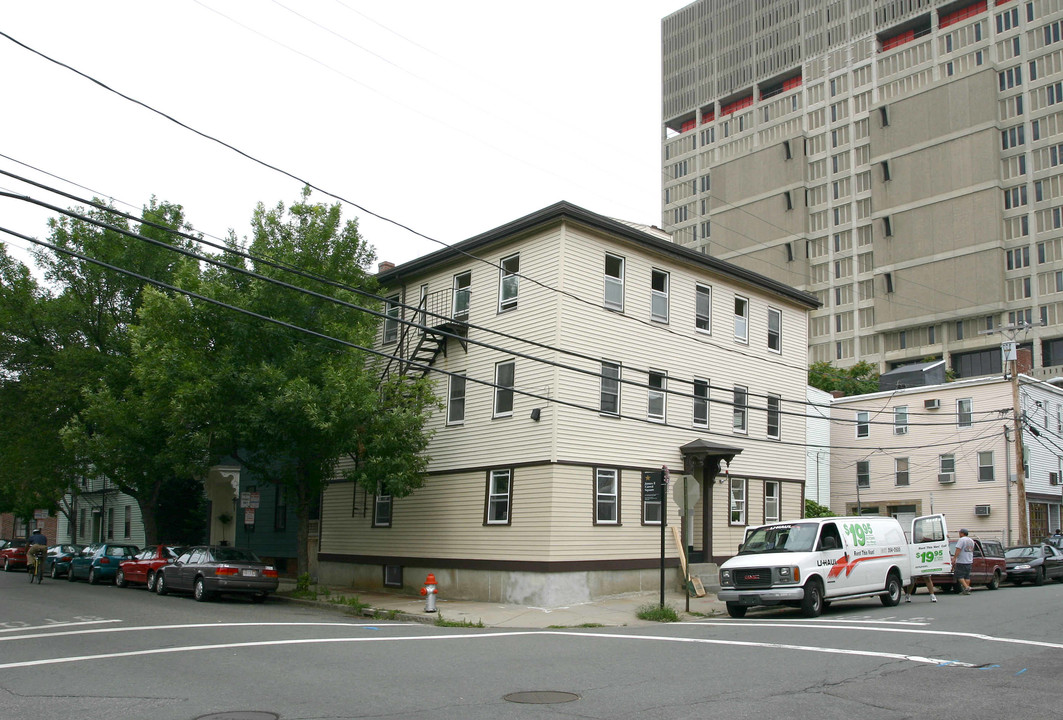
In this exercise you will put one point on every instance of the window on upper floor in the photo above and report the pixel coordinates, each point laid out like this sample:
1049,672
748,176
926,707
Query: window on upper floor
774,406
456,400
701,403
774,330
504,380
614,282
655,409
462,289
986,472
863,473
659,295
741,319
740,410
703,308
508,282
900,471
900,420
863,424
609,390
392,313
964,412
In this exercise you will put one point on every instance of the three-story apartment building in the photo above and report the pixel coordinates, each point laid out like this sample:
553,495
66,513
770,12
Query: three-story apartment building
573,353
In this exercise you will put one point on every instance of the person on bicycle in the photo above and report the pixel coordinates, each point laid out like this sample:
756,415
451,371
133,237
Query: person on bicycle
38,545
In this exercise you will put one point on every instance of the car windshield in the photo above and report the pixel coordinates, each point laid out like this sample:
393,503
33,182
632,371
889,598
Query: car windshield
792,537
231,554
1026,551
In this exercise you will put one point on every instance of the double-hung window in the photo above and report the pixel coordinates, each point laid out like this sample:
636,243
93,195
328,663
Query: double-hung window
900,420
462,289
739,417
656,395
499,492
701,403
964,412
863,424
609,392
659,295
381,507
774,417
504,377
614,282
863,473
508,282
900,469
774,330
771,501
456,400
741,319
738,501
703,308
985,466
606,496
392,312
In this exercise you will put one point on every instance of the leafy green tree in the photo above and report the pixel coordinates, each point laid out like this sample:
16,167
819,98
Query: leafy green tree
858,379
814,510
298,410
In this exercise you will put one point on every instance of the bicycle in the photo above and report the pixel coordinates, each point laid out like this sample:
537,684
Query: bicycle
35,567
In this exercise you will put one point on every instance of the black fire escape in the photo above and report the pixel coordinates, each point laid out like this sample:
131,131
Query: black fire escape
440,316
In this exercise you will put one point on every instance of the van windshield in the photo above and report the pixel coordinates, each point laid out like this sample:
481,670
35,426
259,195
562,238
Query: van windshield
792,537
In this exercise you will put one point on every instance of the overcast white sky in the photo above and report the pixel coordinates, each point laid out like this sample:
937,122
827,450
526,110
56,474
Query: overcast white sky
451,118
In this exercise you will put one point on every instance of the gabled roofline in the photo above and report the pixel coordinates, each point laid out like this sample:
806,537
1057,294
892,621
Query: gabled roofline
565,210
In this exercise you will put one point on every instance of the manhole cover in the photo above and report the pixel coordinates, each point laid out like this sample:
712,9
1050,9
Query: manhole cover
541,697
241,715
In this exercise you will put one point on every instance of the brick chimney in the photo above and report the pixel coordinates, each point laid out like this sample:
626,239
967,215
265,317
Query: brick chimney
384,266
837,394
1023,360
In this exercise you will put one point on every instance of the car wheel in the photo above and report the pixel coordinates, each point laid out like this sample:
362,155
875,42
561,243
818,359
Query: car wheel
151,581
92,576
160,584
54,573
812,602
70,574
995,582
199,591
735,610
892,596
1039,579
7,566
119,578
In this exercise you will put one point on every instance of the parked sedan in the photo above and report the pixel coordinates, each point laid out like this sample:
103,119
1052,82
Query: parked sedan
13,555
57,562
143,566
206,571
1034,563
100,561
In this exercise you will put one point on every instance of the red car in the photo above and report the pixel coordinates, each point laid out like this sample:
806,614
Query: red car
145,564
13,555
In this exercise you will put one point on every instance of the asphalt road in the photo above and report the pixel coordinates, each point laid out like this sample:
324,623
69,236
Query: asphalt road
73,651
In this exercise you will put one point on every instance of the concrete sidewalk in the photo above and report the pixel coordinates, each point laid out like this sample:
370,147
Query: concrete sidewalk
613,611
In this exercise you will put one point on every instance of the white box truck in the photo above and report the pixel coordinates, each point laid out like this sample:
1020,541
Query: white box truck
812,562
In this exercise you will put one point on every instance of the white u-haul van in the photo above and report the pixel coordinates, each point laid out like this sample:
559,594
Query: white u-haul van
812,562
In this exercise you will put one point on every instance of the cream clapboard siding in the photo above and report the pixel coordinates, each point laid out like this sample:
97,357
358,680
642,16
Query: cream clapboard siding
552,508
931,434
631,339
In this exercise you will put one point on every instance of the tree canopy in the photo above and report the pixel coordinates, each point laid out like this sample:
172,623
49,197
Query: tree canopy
858,379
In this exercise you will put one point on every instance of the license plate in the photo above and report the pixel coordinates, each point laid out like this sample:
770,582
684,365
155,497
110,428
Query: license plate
750,600
248,573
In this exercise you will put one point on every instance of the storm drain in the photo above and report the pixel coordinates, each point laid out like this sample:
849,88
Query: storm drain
241,715
541,697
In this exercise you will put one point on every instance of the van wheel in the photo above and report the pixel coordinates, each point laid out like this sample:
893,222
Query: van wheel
736,611
995,582
892,596
812,603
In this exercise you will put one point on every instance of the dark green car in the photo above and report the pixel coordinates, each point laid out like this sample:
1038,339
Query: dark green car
99,561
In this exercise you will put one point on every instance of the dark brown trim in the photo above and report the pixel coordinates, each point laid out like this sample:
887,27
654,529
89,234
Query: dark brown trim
515,565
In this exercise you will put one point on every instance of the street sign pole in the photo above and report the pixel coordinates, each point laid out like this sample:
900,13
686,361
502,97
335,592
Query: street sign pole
664,521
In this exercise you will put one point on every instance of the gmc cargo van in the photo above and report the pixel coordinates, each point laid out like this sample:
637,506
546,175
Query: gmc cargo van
812,562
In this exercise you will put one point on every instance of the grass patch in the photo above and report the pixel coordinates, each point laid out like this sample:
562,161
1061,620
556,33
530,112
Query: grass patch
443,622
352,602
581,625
657,613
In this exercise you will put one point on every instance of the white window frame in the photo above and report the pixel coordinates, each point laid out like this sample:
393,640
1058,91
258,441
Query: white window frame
392,313
504,392
901,472
965,417
656,395
659,298
462,295
382,507
986,466
508,282
863,424
740,410
947,464
703,293
456,399
606,495
614,282
701,402
609,386
775,413
772,501
863,473
900,420
775,319
738,501
741,318
496,497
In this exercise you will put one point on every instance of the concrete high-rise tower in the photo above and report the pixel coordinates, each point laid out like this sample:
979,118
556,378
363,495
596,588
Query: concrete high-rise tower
902,160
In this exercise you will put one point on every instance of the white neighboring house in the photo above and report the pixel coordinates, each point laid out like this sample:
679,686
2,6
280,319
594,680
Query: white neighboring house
535,492
102,513
818,429
950,448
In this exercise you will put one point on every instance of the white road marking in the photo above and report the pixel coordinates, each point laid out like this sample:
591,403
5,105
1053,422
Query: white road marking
55,625
481,636
94,631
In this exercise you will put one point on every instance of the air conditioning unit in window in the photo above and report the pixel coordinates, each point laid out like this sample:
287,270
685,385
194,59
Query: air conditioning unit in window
932,404
946,478
981,510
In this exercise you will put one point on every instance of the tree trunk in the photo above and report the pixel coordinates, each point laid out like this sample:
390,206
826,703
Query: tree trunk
302,531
